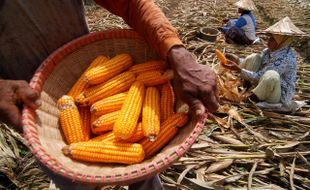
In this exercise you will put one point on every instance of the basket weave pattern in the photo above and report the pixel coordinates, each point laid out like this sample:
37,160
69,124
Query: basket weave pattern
55,77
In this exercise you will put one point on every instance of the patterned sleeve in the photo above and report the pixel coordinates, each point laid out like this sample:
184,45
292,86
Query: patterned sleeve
282,65
249,75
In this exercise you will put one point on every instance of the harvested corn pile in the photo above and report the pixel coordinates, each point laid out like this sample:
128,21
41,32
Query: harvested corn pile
133,111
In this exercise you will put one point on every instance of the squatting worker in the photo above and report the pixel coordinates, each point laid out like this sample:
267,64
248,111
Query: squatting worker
273,72
31,30
242,30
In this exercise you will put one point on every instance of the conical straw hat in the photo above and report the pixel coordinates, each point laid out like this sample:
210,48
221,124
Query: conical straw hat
285,27
246,5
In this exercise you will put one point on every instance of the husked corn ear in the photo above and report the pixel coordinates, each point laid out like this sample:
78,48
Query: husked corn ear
153,78
106,152
165,135
70,120
86,121
148,66
109,136
221,56
105,122
178,119
117,84
80,85
168,130
138,134
109,69
167,100
109,104
151,113
125,124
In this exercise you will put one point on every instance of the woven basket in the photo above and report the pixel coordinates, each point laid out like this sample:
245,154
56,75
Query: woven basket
55,77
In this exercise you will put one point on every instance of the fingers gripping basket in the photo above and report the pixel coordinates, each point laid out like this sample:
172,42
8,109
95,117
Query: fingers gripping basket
55,77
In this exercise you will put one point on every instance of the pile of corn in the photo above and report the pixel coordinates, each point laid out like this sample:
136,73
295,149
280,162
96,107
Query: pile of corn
118,112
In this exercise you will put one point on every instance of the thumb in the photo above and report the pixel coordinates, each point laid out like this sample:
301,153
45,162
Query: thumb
197,107
29,97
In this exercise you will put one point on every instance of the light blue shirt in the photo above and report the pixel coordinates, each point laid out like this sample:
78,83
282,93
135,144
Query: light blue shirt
241,22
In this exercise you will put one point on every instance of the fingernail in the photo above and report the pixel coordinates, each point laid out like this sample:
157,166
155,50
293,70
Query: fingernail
38,102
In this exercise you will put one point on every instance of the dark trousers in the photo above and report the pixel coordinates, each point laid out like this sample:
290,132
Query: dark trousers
237,36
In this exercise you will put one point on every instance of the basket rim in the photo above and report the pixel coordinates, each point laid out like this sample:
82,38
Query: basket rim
31,134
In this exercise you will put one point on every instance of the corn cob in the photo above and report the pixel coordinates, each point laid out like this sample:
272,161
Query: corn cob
178,119
109,69
117,84
109,136
80,85
105,122
70,120
153,78
151,113
221,56
148,66
109,104
126,123
86,121
166,102
138,134
167,131
106,152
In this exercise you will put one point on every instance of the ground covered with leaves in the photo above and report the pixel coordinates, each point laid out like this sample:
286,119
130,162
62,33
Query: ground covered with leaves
242,146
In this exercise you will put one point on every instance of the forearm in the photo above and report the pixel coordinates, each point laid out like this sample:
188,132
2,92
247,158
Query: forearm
148,20
249,75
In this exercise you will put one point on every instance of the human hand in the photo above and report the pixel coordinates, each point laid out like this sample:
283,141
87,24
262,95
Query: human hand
232,57
225,20
231,66
13,94
195,83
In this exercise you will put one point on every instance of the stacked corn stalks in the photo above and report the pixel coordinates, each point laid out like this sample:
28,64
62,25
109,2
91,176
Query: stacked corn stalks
118,112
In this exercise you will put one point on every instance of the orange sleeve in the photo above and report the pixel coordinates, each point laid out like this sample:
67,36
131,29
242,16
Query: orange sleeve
148,20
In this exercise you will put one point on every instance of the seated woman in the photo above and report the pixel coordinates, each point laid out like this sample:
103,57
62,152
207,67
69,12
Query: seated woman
274,71
242,30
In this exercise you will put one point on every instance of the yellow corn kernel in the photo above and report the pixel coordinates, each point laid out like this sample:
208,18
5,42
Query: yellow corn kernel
86,121
117,84
148,66
109,69
138,134
109,104
105,122
153,78
70,120
80,85
126,123
106,152
151,113
109,136
166,102
168,130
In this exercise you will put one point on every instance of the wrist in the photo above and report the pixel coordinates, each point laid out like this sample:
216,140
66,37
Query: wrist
179,56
